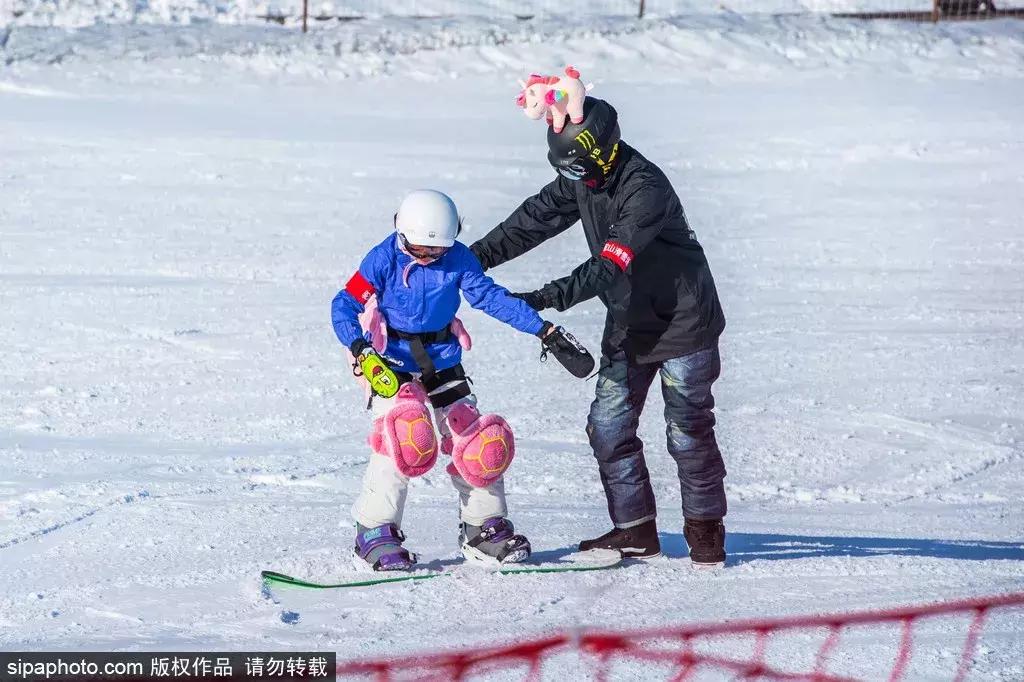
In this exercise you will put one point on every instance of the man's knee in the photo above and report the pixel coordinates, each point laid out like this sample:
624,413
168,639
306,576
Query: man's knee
610,425
702,466
696,453
613,421
690,432
613,440
686,386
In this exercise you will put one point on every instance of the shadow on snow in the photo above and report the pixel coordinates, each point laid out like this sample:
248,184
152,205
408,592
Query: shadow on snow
744,547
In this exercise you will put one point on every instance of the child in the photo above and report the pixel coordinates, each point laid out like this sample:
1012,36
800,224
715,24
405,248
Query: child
416,275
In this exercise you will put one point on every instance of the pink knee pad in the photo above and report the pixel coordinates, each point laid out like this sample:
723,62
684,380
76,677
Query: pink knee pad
405,433
482,446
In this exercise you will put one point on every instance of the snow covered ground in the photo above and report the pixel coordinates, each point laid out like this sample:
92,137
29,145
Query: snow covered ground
178,208
78,13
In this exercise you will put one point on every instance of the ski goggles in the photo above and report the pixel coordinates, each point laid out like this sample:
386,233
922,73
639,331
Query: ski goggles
422,252
574,168
592,166
574,172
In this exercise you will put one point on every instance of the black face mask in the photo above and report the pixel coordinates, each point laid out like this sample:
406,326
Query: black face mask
594,166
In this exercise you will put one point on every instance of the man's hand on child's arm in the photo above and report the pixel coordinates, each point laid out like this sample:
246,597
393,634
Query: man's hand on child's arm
534,299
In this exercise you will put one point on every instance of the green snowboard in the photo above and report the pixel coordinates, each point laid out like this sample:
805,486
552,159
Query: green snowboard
594,560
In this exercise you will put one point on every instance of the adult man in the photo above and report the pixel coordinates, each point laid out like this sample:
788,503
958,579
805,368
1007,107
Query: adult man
664,317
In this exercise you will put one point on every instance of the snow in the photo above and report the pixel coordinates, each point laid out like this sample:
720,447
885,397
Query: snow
179,206
79,13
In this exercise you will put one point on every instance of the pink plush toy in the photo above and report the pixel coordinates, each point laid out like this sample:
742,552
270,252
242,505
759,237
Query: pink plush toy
555,97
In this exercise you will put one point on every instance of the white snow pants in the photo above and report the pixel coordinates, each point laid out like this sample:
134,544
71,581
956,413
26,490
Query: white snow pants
382,499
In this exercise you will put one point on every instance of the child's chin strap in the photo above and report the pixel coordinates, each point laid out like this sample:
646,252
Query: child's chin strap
415,261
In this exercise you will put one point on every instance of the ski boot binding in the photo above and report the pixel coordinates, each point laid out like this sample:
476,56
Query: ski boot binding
381,548
493,543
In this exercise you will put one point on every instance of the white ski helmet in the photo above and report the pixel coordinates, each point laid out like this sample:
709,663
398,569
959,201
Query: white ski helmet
428,218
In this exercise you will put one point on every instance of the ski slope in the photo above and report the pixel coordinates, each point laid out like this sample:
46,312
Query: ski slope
176,413
81,13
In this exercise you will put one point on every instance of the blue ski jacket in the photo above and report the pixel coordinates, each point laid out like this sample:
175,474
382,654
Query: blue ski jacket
423,298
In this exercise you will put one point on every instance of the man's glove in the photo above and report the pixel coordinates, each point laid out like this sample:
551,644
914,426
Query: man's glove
566,349
534,299
374,369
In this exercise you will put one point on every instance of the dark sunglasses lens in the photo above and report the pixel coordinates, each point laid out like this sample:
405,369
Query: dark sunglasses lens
417,251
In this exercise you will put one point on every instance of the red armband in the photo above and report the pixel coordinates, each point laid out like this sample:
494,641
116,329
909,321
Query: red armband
359,288
617,253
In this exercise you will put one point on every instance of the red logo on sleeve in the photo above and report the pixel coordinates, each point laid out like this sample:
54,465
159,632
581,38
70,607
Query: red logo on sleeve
618,253
359,288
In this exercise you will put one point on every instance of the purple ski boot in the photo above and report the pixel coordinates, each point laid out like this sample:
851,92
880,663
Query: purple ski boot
495,542
381,548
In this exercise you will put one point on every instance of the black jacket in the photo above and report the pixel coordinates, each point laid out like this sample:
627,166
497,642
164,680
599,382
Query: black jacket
647,265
